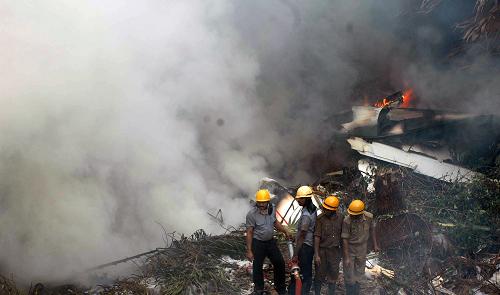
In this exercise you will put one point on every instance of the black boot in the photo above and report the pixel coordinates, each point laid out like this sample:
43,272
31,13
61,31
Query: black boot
317,288
331,288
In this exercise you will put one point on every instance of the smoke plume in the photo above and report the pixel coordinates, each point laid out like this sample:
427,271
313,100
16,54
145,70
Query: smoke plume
118,115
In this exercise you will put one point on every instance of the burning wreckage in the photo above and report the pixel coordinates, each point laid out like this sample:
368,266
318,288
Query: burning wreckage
443,145
432,179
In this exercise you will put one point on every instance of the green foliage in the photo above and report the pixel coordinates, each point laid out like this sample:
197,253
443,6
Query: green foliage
466,212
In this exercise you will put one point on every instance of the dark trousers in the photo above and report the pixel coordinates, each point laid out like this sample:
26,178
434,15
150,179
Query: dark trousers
305,256
269,249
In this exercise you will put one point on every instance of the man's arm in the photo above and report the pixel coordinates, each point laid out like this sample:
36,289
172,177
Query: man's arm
345,249
376,248
346,234
301,235
317,260
249,238
250,224
317,240
280,227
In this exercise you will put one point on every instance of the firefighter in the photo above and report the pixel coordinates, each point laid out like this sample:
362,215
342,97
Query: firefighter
327,242
260,224
357,227
304,250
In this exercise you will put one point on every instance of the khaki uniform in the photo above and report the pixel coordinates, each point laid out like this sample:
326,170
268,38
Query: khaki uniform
329,229
357,232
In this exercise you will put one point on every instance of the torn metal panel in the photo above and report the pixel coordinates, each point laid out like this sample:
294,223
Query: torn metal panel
419,163
439,153
373,122
275,188
365,121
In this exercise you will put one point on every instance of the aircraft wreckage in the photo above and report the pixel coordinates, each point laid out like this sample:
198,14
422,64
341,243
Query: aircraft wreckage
440,144
410,162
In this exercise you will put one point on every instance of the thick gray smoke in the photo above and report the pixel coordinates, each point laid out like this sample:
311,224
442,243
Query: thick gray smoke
342,51
116,115
120,114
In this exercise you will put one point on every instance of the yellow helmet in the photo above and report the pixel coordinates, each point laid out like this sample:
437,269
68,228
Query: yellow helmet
304,191
356,207
331,203
262,195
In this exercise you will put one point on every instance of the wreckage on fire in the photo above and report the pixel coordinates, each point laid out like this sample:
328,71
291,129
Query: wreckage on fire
431,177
440,144
443,145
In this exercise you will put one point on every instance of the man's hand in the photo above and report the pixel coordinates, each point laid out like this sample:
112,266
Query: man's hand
293,261
250,255
289,236
376,249
317,260
347,261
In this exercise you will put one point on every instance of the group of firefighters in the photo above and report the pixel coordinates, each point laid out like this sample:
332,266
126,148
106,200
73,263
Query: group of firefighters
324,240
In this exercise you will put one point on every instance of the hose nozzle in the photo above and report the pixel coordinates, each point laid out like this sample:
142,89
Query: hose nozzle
290,248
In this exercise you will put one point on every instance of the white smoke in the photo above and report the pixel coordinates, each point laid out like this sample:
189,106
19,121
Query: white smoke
116,115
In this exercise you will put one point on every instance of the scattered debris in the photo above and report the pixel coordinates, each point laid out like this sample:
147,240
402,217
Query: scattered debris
417,162
7,286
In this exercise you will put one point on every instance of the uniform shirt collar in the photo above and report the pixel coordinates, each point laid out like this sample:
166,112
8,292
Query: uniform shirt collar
363,218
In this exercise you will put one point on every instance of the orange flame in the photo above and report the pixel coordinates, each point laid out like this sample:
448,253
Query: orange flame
380,104
407,98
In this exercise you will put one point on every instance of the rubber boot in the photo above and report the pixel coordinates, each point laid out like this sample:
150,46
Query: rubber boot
317,288
331,288
350,289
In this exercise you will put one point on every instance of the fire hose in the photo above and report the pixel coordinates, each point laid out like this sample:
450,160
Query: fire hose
294,270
